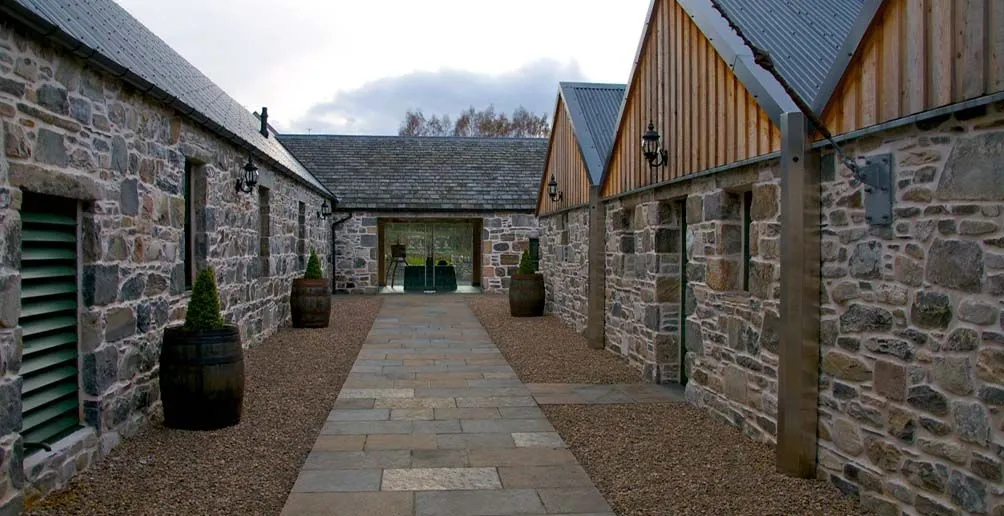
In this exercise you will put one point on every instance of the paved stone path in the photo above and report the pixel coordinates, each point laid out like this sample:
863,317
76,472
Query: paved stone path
432,421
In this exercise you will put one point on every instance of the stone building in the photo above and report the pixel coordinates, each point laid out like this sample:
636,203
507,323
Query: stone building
467,203
885,322
117,184
584,118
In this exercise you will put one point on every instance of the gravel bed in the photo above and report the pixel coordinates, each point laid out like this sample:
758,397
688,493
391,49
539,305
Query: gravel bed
653,459
545,350
292,380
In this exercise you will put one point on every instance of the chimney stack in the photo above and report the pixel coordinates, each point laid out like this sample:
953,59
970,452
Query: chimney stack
264,122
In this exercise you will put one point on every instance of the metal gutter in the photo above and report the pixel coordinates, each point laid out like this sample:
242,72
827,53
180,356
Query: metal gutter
55,34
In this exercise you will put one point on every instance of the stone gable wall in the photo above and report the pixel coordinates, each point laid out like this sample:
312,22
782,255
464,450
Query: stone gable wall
503,237
564,262
70,131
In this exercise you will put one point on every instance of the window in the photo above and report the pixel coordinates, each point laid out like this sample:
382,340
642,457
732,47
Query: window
264,216
747,224
188,244
564,228
535,253
301,237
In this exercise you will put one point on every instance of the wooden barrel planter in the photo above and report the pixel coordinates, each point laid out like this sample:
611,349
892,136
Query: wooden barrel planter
310,303
202,378
526,295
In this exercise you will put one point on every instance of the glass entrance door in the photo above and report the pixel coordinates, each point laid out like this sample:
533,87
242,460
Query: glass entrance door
428,256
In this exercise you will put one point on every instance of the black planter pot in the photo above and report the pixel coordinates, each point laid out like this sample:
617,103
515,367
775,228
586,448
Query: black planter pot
526,295
202,378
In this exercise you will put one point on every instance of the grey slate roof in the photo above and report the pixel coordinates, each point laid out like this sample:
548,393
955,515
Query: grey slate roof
425,173
593,110
122,44
810,42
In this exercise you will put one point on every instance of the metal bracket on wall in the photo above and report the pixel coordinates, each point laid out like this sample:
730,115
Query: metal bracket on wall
876,174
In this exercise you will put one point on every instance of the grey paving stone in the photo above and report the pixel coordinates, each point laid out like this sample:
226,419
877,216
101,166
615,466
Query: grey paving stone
474,441
354,504
415,403
521,412
358,459
366,427
471,392
439,458
400,442
499,401
468,413
445,426
505,425
535,477
503,502
573,500
376,393
339,442
359,414
417,414
440,479
338,480
520,457
537,440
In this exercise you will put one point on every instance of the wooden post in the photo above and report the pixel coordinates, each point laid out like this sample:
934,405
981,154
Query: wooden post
798,375
596,309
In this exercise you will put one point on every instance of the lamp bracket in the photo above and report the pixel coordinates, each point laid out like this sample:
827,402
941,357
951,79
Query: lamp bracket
876,175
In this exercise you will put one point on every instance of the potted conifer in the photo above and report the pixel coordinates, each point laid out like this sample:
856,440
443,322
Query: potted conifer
310,297
202,364
526,290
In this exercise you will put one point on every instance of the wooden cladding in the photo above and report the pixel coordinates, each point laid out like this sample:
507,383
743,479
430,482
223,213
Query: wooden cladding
564,161
704,114
918,55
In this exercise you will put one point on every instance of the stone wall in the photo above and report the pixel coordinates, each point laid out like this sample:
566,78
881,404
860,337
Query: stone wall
503,237
731,334
643,284
913,339
564,262
73,132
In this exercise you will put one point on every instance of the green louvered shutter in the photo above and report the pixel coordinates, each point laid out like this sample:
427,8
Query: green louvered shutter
49,400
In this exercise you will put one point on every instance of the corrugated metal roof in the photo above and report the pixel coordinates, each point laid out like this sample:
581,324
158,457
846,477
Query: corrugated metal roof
107,28
808,41
593,110
425,173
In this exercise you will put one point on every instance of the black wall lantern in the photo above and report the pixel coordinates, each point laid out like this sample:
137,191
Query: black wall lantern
326,209
552,190
249,179
655,155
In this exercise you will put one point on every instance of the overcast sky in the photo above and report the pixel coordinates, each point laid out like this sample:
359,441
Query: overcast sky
356,66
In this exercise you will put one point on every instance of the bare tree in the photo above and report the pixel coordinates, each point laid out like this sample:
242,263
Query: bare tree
477,123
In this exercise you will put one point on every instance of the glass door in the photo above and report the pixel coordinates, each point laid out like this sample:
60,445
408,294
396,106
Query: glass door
428,256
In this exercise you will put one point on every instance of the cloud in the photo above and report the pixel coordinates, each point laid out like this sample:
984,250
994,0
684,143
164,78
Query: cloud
379,106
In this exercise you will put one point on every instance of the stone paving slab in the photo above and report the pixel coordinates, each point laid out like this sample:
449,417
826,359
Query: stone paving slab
432,421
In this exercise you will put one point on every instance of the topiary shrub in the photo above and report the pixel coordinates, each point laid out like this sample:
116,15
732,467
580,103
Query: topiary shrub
525,264
313,267
204,308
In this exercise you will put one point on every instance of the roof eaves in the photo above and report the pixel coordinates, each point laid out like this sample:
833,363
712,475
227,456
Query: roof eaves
844,56
583,137
764,87
55,33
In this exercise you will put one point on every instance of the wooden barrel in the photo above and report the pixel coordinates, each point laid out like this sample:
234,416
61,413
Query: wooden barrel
310,303
202,378
526,295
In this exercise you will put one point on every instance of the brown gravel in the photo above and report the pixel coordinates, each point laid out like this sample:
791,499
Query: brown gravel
292,380
545,350
659,459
